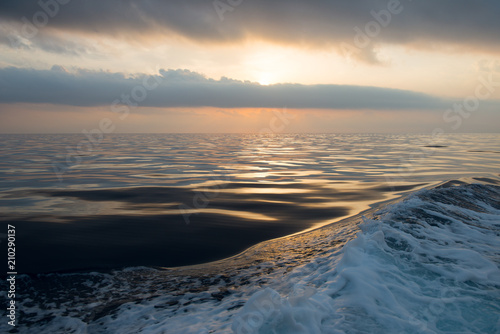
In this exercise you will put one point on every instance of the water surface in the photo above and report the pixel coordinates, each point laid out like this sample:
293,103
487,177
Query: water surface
178,199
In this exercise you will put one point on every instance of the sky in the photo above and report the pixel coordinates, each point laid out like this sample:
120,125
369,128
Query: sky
129,66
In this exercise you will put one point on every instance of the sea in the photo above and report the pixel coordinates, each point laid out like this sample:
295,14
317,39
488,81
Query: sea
250,233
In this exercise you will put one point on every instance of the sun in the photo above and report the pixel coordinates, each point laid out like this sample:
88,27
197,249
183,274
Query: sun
265,79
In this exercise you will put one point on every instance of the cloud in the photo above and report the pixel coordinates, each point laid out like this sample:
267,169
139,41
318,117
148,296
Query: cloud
326,24
183,88
46,40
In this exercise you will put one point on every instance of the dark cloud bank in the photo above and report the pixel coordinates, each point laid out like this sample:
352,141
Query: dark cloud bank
473,24
183,88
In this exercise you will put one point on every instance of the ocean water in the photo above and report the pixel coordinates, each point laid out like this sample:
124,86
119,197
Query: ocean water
254,233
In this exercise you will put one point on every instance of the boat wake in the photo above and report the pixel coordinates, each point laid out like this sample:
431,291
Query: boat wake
428,263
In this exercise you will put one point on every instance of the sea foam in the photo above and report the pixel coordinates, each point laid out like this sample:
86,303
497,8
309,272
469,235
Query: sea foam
428,264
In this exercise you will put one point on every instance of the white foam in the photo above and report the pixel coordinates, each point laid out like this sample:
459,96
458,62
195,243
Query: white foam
404,273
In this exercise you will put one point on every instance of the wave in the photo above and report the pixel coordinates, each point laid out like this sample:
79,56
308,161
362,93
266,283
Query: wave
428,263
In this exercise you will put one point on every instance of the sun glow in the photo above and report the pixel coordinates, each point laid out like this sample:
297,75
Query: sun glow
265,79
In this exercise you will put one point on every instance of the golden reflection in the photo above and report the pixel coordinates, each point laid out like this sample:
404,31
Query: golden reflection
269,190
286,173
239,214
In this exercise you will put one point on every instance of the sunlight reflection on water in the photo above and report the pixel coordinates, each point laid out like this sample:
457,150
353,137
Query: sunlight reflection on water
290,182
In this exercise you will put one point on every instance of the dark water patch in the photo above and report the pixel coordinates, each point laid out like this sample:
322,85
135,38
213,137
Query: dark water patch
487,180
481,151
451,183
398,187
110,242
